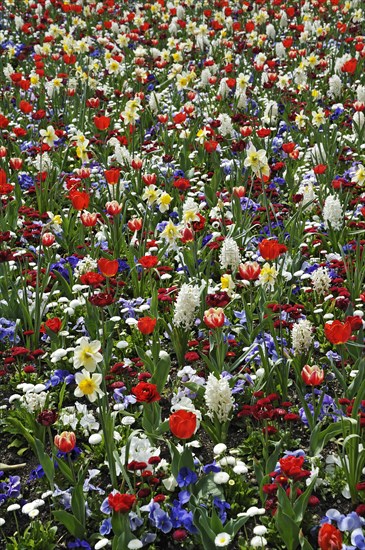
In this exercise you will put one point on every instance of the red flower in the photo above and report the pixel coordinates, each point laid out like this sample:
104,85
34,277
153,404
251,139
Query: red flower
270,249
146,325
92,278
350,66
249,271
48,239
182,184
65,442
102,122
54,324
148,261
112,175
25,107
312,376
135,224
329,538
214,317
108,268
113,208
119,502
337,332
182,424
80,200
291,466
146,392
89,219
320,168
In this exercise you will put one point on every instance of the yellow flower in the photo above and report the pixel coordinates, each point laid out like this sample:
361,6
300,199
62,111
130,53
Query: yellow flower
268,275
164,202
227,283
171,232
89,385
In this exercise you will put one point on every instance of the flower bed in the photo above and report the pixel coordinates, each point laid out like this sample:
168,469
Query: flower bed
182,274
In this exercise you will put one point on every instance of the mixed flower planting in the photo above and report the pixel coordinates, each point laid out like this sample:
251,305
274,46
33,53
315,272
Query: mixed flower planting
182,274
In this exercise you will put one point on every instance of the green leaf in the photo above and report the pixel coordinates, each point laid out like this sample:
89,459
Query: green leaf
78,503
46,462
304,544
71,523
319,438
288,529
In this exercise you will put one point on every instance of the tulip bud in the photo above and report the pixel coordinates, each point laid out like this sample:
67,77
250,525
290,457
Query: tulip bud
48,239
312,376
113,208
16,163
214,317
65,442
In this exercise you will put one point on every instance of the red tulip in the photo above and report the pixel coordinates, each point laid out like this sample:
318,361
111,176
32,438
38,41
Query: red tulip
65,442
25,107
16,163
135,224
312,376
214,317
123,503
329,537
102,122
48,239
109,268
112,175
350,66
249,271
80,200
337,332
270,249
146,325
89,219
113,208
182,424
148,261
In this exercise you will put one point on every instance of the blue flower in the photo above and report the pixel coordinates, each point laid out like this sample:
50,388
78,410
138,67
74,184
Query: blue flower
186,477
105,527
212,468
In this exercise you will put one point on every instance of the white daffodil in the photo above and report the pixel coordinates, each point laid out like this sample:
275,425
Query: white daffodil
88,384
87,355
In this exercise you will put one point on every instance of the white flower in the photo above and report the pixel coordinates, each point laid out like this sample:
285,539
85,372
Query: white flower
302,336
226,128
134,544
218,397
219,449
258,542
260,530
190,211
101,543
220,478
87,355
88,384
49,136
222,540
95,439
332,213
257,161
230,254
187,302
321,280
13,508
335,85
359,176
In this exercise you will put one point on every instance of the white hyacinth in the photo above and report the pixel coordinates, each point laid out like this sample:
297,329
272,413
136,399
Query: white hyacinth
226,128
187,302
335,85
332,213
321,280
230,254
302,336
218,397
